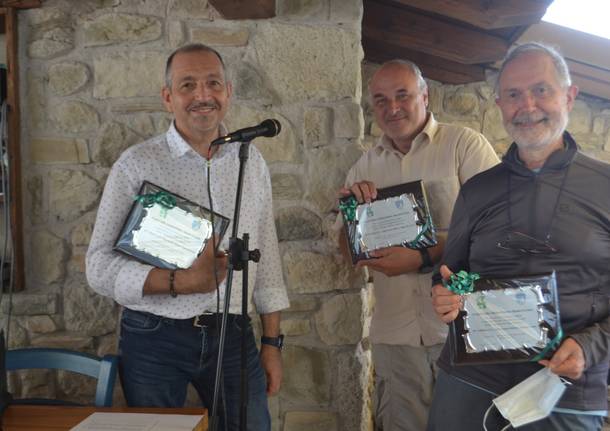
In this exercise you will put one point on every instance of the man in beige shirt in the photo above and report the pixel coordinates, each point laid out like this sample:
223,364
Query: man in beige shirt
405,334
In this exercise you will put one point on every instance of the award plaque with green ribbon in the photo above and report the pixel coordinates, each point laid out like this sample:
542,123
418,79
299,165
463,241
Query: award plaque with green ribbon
504,320
166,230
398,217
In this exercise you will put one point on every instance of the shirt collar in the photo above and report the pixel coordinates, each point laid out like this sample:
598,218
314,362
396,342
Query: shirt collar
178,146
429,131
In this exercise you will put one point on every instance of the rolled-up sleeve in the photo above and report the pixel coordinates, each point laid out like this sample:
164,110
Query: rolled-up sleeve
269,293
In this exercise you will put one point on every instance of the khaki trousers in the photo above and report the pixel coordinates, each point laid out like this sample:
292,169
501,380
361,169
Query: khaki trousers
404,384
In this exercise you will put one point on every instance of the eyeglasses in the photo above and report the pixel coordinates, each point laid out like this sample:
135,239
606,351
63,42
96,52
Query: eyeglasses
526,244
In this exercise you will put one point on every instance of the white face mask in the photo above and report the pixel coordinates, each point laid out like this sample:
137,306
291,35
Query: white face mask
532,399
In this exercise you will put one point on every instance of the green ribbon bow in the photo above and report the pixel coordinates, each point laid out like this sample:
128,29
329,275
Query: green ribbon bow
462,282
348,208
166,200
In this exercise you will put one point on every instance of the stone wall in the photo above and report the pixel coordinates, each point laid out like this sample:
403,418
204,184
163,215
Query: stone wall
91,74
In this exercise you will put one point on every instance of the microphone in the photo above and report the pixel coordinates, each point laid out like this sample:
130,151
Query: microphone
268,128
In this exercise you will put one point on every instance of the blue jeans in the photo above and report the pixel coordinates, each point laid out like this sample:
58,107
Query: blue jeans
159,357
459,406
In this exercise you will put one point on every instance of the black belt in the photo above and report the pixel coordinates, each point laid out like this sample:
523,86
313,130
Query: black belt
214,320
204,320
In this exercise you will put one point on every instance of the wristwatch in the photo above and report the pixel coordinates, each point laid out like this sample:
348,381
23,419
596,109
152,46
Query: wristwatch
427,265
274,341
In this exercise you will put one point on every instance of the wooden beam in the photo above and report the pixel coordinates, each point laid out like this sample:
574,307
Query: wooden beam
486,14
432,36
16,206
21,4
245,9
432,67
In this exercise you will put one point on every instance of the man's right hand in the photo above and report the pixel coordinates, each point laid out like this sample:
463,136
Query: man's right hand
200,276
364,191
446,304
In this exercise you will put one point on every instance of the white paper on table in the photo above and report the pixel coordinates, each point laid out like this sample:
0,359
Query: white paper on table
108,421
174,235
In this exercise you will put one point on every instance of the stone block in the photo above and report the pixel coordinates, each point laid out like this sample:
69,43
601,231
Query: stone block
32,304
48,257
44,15
354,373
308,379
75,387
486,92
87,312
248,84
74,117
51,43
294,327
348,121
71,194
37,383
436,94
461,102
493,127
306,421
303,303
580,118
340,320
108,344
81,234
113,139
48,150
77,261
40,324
190,9
281,148
144,125
131,106
220,36
303,9
347,12
326,170
317,125
286,187
141,74
65,340
67,78
36,102
309,272
175,34
114,28
297,223
35,193
303,63
600,125
18,337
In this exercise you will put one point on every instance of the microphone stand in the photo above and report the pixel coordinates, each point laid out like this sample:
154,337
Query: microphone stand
239,256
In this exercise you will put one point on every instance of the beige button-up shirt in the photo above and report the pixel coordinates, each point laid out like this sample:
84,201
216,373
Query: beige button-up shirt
444,156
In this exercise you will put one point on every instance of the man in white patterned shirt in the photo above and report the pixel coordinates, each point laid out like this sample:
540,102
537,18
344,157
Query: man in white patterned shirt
169,335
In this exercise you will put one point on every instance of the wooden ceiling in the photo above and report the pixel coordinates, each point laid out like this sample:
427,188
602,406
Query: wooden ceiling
452,41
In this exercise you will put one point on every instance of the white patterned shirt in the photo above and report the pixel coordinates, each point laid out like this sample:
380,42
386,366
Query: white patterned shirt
170,162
